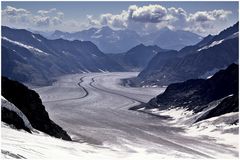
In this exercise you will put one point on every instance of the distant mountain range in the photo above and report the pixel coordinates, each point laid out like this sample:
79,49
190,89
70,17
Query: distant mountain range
198,61
31,58
136,58
107,40
200,95
118,41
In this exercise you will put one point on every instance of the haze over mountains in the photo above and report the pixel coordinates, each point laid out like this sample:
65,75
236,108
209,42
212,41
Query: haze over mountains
117,41
120,80
192,103
198,61
34,59
136,58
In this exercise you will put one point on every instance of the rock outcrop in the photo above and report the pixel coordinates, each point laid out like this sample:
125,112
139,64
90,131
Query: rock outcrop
30,104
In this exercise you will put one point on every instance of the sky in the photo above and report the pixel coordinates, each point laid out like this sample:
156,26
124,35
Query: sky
144,17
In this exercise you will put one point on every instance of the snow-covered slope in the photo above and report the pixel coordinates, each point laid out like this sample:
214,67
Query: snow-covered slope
223,129
22,145
6,104
100,118
204,108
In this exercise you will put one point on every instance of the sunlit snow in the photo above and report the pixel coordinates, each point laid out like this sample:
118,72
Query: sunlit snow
30,48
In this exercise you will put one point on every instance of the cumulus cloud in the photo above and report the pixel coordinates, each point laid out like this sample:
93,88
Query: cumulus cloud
148,14
21,17
202,21
153,17
206,16
143,19
11,11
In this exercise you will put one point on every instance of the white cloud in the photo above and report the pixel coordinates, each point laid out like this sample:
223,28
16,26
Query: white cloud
154,17
11,11
23,18
205,21
148,14
143,19
60,14
44,12
206,16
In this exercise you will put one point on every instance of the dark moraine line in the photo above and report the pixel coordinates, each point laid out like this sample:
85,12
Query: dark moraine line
111,92
69,99
85,90
166,141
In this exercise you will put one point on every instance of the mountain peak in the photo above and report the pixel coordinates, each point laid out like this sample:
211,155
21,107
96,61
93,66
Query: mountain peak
107,28
141,45
58,31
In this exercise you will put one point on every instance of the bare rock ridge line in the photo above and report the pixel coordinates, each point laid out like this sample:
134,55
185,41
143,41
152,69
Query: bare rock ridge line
201,60
197,94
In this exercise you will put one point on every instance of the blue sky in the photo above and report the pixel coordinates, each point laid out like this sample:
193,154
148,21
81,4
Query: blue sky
199,17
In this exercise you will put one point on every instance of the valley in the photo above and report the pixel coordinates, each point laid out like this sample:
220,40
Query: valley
93,108
122,80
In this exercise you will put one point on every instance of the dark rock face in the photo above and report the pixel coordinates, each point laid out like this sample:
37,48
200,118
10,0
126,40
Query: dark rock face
228,105
193,62
136,58
12,118
196,94
200,92
29,102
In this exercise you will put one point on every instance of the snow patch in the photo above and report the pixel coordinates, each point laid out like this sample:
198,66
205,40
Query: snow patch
102,71
6,104
93,55
210,73
236,34
222,128
30,48
214,43
209,77
37,38
98,31
178,114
